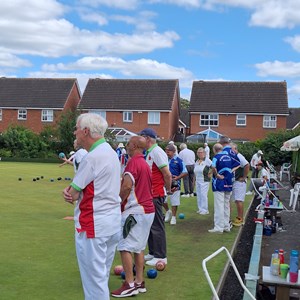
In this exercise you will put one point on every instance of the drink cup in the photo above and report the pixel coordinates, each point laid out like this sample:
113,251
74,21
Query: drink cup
284,269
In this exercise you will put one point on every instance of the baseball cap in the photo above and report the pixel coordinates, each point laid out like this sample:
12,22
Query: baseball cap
260,152
148,132
121,145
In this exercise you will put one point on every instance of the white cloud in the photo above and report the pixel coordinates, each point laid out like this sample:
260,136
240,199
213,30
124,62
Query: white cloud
121,4
8,60
279,69
294,42
135,68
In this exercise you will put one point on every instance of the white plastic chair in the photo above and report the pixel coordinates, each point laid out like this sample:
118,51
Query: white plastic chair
216,296
285,169
294,193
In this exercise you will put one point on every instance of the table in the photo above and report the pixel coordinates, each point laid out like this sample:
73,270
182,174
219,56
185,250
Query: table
282,285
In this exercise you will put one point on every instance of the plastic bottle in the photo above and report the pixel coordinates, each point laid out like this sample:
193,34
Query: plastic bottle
267,200
294,257
275,263
281,256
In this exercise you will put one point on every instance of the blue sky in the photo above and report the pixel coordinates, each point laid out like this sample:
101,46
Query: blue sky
234,40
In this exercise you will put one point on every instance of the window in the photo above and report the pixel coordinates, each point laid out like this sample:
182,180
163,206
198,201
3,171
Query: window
209,120
270,122
154,117
102,113
22,114
47,115
0,114
127,116
240,120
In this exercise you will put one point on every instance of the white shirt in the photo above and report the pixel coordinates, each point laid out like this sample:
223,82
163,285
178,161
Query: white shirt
78,156
188,156
207,151
255,160
264,173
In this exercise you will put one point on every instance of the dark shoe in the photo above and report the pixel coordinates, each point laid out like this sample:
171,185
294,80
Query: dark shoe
141,287
125,291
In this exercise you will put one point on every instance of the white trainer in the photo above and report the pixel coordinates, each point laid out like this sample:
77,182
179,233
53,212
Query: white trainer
204,212
148,257
185,195
215,231
249,193
153,261
168,216
173,221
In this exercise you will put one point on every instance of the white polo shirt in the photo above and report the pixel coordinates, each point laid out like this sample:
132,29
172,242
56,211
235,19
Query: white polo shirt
188,156
98,210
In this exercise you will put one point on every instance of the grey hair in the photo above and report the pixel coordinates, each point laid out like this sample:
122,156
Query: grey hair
224,139
217,147
234,146
201,149
94,122
182,146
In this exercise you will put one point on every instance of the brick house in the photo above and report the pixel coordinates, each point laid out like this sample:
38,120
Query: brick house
293,120
36,102
242,110
134,104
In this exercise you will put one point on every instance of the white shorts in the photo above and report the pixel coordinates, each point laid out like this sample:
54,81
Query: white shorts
137,238
238,191
174,199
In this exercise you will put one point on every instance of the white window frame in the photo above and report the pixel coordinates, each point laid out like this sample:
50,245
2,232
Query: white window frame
127,116
153,117
270,121
211,120
22,114
102,113
47,115
0,114
241,120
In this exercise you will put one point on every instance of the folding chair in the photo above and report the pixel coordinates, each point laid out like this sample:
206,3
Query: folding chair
272,171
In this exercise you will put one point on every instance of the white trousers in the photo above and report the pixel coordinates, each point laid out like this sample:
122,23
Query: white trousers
95,257
222,210
202,199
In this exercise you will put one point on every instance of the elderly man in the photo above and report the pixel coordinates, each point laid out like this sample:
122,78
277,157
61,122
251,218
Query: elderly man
178,171
255,160
161,183
97,215
137,206
207,150
188,156
222,187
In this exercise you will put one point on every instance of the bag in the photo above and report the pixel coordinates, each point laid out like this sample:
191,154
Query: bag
129,223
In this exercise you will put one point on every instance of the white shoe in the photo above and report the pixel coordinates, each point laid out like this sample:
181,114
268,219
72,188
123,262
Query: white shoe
215,231
153,261
249,193
148,257
204,212
191,195
185,195
173,221
168,216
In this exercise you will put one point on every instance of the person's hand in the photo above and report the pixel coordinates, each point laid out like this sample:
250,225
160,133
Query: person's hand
67,196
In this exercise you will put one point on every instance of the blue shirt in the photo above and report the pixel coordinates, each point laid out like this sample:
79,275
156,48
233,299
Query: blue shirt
177,167
223,164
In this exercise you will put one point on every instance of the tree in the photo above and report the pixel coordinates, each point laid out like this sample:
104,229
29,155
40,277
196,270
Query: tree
65,129
184,103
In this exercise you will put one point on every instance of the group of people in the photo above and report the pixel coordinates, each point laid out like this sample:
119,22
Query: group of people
112,214
125,215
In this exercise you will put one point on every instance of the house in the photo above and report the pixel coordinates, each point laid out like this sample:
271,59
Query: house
244,111
134,104
36,102
293,120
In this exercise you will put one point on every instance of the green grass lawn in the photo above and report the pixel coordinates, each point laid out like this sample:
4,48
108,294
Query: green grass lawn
37,253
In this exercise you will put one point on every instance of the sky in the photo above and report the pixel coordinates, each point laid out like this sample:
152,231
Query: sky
231,40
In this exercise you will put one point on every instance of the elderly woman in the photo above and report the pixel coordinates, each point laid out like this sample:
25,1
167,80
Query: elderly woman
202,178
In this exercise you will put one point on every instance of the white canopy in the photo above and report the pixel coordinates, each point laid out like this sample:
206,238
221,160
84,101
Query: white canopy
292,144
